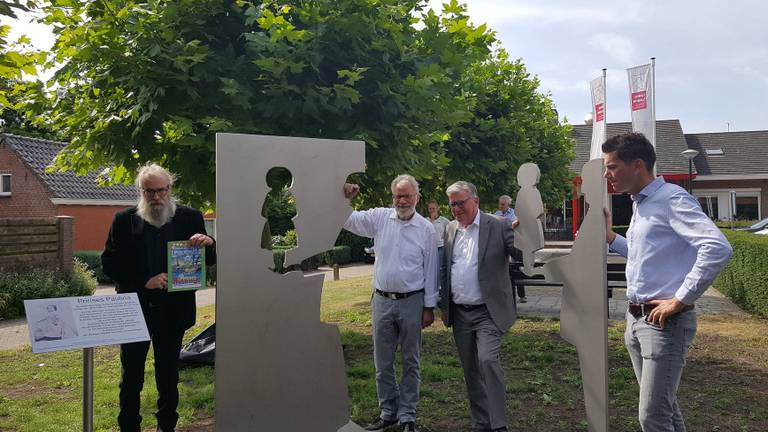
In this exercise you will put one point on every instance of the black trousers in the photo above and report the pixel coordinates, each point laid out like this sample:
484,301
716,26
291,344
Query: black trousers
515,275
166,345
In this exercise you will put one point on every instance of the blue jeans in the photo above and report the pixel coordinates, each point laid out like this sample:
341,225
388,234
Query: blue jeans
658,357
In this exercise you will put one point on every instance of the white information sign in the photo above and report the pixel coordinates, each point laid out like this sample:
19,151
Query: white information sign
58,324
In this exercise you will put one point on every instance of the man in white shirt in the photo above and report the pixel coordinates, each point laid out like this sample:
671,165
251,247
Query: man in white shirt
478,301
439,222
405,292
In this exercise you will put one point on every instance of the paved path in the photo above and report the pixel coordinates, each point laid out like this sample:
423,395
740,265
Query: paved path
542,301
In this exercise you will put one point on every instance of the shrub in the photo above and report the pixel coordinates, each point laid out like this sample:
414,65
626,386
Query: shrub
338,255
93,260
745,279
38,283
356,245
739,223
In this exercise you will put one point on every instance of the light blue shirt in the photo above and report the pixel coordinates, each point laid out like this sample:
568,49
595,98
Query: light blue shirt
672,248
508,215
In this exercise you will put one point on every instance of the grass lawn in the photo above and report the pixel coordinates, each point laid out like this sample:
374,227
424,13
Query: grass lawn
723,388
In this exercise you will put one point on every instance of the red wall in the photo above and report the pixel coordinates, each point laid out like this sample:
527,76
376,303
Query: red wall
29,197
91,224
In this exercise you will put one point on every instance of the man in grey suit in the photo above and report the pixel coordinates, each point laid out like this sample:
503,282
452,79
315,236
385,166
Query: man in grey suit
477,300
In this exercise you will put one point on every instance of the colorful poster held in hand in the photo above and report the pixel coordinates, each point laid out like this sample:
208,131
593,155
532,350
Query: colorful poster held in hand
186,266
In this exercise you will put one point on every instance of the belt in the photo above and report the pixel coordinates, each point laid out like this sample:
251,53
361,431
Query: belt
397,295
642,309
469,307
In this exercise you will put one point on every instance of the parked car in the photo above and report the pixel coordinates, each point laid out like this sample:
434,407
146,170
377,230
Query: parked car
763,224
762,232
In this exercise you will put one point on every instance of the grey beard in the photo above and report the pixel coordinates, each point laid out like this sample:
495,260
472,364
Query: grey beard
156,216
405,213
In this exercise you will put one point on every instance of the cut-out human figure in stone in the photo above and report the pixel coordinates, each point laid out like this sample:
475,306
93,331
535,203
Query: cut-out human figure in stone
278,180
278,367
529,234
584,308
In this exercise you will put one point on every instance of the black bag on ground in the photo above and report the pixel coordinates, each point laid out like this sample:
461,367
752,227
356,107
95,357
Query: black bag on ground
201,350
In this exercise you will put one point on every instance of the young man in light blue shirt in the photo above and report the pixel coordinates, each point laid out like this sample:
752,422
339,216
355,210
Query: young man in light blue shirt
674,252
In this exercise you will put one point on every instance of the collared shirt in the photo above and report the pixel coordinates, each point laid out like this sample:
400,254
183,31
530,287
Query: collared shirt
465,283
672,248
406,251
440,223
508,215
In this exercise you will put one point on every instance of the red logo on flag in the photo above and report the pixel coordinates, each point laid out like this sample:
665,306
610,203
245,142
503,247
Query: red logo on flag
639,100
599,112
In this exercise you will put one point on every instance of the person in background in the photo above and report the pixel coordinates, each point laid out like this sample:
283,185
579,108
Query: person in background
439,222
508,213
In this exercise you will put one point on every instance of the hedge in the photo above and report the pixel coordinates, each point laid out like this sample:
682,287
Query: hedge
93,260
336,255
36,284
355,243
745,279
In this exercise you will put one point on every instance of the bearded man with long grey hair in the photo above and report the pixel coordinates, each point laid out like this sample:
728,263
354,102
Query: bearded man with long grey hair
135,258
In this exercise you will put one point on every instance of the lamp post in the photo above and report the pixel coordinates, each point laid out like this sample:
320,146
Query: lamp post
690,154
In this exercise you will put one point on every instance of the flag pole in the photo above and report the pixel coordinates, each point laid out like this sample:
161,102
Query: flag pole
653,105
606,197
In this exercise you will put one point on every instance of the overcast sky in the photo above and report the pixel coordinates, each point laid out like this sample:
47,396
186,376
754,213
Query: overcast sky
711,56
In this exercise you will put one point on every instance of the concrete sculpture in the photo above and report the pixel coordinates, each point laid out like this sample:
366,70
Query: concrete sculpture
278,367
529,235
584,305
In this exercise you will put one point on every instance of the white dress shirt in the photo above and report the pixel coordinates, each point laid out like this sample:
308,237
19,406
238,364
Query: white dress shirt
672,248
406,251
465,283
440,223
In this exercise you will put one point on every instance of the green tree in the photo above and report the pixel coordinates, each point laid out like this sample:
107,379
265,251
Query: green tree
155,80
512,123
16,57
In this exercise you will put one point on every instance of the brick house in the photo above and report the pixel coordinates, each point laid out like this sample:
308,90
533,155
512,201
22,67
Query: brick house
727,161
28,191
731,161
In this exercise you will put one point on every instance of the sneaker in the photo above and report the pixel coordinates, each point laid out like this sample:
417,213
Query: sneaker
523,299
409,427
380,424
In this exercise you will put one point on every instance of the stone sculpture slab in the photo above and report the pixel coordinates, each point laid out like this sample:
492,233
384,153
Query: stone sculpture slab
529,235
583,273
584,306
278,367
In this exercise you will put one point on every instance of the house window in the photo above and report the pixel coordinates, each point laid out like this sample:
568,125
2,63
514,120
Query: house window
709,206
5,184
746,207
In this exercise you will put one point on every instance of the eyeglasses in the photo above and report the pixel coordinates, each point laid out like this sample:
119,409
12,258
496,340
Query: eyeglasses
152,192
459,203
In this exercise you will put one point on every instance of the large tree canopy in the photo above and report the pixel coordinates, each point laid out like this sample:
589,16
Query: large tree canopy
511,124
155,80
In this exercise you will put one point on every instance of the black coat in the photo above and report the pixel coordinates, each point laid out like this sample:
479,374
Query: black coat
124,261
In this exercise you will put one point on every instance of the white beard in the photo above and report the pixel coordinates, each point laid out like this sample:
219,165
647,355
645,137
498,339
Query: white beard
157,215
405,213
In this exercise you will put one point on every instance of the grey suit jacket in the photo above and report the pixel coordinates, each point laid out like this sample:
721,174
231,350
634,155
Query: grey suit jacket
496,242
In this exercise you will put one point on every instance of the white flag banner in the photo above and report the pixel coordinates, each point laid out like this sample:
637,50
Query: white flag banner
641,94
597,88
